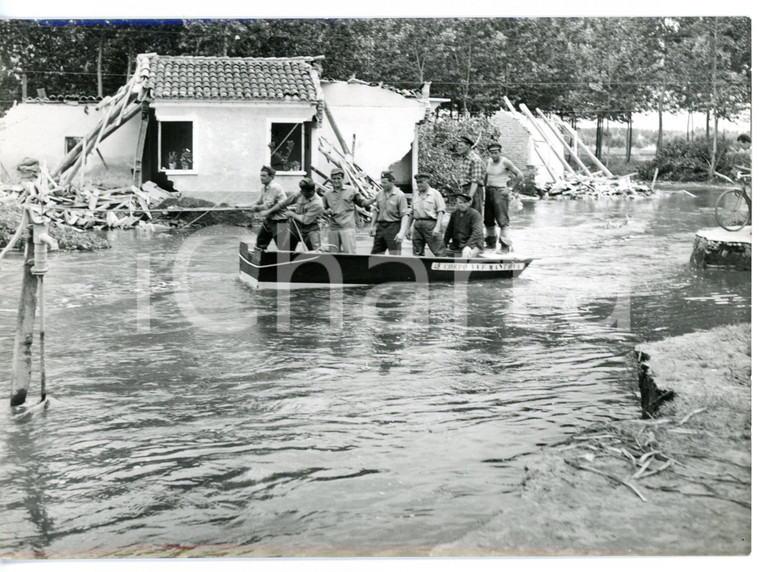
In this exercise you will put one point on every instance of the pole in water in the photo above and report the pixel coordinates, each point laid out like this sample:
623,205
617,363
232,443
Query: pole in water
21,372
42,240
41,302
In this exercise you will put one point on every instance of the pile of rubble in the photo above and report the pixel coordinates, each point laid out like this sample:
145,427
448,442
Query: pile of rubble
579,186
87,207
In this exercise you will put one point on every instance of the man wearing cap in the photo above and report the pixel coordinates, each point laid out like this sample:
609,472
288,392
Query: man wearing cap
471,172
428,208
464,233
499,183
271,204
304,216
390,220
340,203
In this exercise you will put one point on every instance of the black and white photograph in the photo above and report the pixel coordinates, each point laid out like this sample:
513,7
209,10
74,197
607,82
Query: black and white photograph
390,286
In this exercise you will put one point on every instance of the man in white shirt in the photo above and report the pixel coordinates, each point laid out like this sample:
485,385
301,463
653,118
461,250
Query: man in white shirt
499,183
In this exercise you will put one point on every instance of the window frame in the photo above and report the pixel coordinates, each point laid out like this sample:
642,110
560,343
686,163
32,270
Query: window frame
78,139
178,119
273,120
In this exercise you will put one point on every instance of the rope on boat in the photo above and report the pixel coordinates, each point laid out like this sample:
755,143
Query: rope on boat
278,264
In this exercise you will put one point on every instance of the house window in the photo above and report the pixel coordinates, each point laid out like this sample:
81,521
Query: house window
287,146
71,142
175,142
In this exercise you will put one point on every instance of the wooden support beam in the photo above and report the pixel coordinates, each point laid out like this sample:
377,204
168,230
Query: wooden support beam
137,168
583,146
66,178
509,104
538,128
336,130
559,136
21,372
544,161
73,155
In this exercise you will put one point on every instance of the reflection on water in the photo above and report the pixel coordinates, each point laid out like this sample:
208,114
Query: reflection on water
188,410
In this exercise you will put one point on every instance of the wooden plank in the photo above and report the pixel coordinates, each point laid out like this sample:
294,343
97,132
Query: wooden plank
509,104
559,136
66,178
137,168
583,146
538,128
21,372
336,130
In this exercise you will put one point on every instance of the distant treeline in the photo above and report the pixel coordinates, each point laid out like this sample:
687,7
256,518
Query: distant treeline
579,68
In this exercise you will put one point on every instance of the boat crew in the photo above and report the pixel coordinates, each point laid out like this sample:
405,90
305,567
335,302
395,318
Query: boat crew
464,233
340,203
390,220
271,204
499,183
428,209
306,208
471,171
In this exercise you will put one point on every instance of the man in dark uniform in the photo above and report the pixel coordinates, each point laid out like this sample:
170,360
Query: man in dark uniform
464,233
304,216
390,220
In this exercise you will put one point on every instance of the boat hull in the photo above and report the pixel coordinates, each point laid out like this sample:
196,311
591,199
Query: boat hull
272,269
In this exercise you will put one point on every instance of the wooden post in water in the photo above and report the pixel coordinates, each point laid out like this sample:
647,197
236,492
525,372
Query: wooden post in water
21,373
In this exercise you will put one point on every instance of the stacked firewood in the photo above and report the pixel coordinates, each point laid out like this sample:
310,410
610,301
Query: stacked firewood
579,186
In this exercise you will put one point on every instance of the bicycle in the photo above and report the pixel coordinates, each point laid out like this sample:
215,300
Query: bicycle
733,209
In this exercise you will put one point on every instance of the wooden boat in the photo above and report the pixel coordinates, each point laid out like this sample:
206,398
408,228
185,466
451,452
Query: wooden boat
283,269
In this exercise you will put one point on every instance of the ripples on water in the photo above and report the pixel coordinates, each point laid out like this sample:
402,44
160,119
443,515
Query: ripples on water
185,412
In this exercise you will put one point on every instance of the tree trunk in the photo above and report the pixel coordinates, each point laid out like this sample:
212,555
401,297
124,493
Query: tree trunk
707,125
714,154
599,136
659,125
688,125
129,63
629,139
467,81
100,66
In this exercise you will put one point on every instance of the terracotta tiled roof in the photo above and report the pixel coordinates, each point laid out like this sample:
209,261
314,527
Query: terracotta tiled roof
233,79
64,98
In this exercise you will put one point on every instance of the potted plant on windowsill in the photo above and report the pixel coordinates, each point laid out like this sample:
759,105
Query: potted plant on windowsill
186,160
171,160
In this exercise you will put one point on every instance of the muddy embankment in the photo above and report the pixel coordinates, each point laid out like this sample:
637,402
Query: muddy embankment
674,483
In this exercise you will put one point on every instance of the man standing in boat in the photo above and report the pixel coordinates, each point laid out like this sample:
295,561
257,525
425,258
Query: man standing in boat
428,209
471,172
271,204
499,171
341,202
390,220
464,233
304,216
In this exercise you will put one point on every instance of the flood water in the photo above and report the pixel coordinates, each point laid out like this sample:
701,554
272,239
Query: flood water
187,408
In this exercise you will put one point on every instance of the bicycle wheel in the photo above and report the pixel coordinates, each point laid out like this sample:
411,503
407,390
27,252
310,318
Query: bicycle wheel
732,210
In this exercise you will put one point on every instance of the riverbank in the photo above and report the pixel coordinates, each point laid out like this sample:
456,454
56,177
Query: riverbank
688,471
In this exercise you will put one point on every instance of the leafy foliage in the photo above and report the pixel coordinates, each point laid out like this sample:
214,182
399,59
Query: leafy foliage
437,141
682,160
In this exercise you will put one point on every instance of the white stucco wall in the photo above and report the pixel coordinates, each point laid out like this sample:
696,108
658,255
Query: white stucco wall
230,145
517,139
39,130
383,122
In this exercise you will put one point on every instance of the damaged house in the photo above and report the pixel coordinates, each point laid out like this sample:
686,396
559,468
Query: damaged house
206,125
